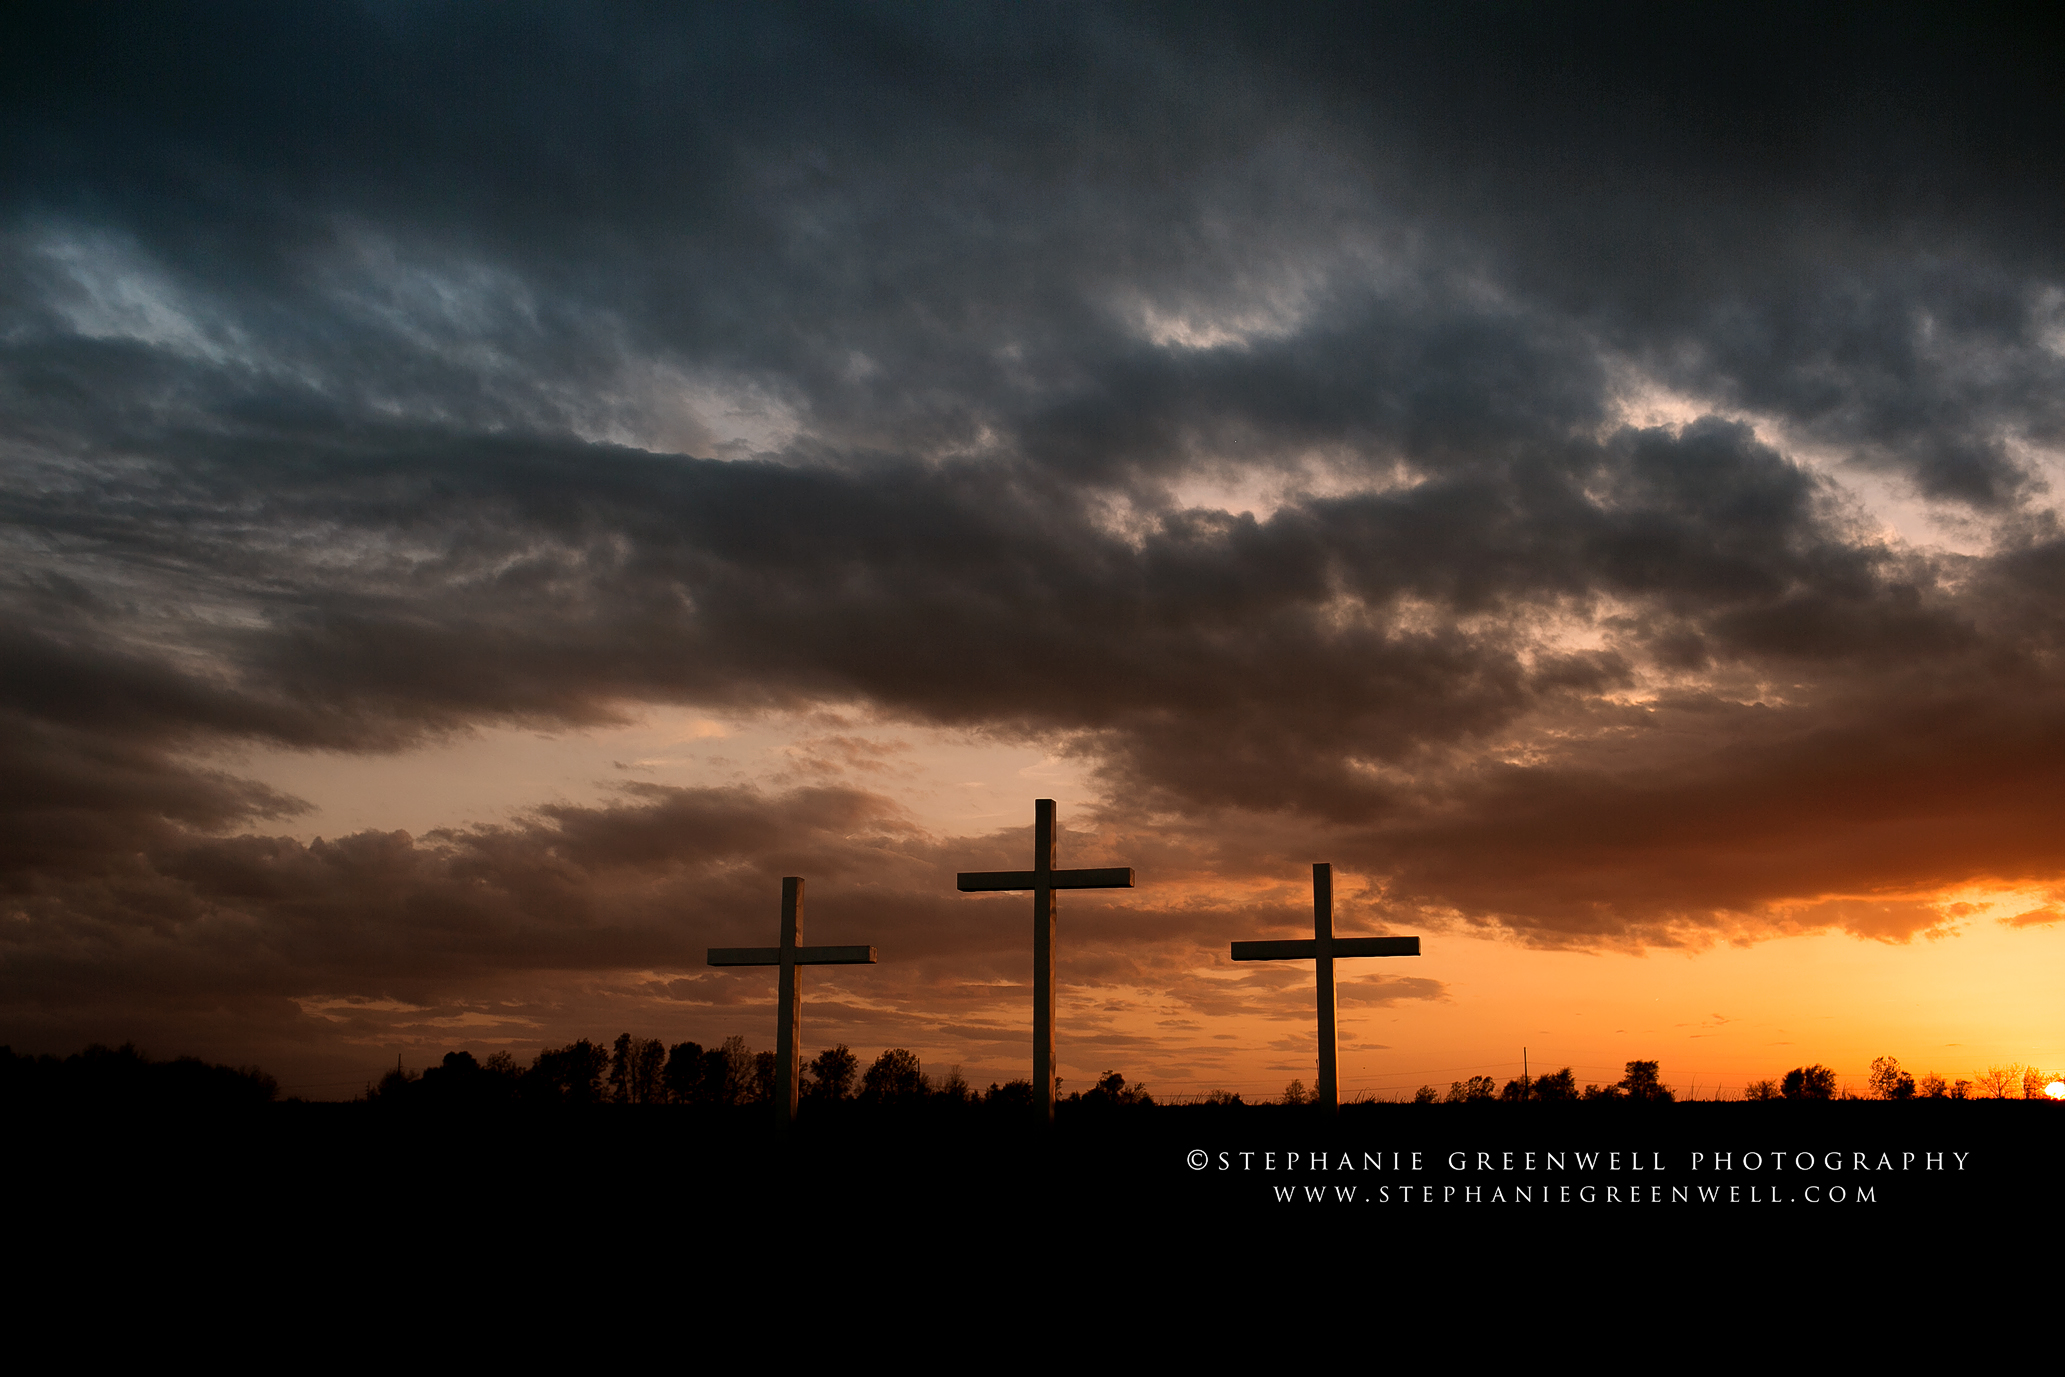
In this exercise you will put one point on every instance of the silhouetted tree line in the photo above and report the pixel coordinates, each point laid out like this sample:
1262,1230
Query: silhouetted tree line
645,1071
732,1075
125,1076
633,1071
1641,1084
1887,1081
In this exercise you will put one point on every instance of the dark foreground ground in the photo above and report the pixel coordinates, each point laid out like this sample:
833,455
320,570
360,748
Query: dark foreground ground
290,1190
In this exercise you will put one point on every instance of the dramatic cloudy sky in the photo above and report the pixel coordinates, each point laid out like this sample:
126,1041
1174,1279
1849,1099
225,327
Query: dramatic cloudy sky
489,489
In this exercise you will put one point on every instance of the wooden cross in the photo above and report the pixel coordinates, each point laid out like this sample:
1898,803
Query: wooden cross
1322,950
1043,879
788,1028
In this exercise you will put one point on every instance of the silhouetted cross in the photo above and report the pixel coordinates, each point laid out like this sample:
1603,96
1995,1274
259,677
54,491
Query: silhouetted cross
1043,879
788,1028
1322,951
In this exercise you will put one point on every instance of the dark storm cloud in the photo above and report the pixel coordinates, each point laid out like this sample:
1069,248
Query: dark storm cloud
569,889
918,226
522,578
375,372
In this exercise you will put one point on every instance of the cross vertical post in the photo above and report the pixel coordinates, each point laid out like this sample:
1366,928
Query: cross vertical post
788,1019
1323,969
1043,879
1322,951
1044,914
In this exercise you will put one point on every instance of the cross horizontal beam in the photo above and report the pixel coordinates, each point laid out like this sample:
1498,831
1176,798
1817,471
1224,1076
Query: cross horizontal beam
972,881
805,956
1307,949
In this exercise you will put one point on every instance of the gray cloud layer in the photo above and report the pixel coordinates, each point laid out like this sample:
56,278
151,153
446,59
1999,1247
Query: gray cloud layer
377,373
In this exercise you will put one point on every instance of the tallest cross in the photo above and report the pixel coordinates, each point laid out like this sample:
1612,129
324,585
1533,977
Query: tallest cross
1043,879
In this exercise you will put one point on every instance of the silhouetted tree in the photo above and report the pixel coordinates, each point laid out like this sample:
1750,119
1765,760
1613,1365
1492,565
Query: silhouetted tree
728,1073
683,1075
762,1091
1643,1083
1475,1088
1932,1087
719,1086
832,1072
953,1087
567,1075
395,1087
1013,1099
1766,1089
1295,1093
1558,1085
1112,1092
636,1068
649,1073
620,1069
460,1082
1522,1088
1816,1082
1426,1094
895,1078
1999,1082
1888,1081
